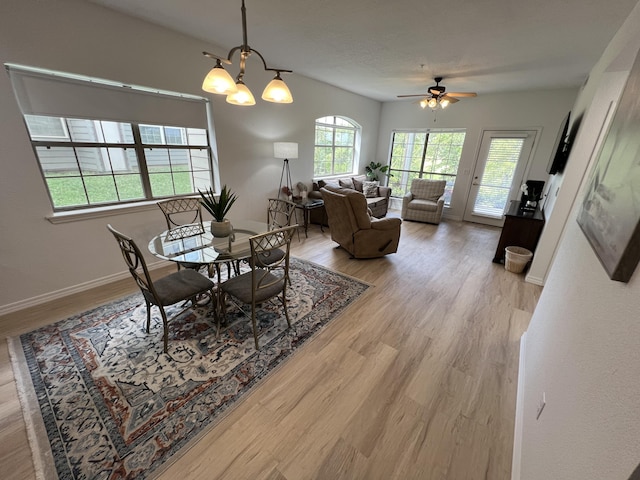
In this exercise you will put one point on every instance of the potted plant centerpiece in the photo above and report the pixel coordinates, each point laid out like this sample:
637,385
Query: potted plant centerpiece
376,170
218,208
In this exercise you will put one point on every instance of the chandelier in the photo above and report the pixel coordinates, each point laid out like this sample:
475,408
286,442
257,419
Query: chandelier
219,81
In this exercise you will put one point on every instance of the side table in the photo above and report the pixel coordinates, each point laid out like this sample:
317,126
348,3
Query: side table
306,206
521,229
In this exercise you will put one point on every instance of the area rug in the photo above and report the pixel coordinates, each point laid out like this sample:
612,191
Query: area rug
102,401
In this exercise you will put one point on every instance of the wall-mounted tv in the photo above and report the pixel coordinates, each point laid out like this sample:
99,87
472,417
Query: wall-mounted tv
560,152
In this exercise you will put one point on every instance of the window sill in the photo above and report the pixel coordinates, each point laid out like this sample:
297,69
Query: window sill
98,212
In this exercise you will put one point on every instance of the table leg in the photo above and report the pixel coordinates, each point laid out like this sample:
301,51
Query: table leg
306,221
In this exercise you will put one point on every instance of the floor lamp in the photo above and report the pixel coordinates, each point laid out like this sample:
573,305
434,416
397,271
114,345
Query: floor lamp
285,151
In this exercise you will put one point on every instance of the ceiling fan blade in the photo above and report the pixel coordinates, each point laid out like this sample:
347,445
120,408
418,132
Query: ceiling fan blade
415,95
451,99
462,94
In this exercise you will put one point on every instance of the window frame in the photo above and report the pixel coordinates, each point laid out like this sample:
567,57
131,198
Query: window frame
398,190
352,126
137,145
46,93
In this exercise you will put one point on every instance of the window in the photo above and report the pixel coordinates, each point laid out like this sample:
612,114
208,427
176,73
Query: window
433,154
336,146
112,144
102,163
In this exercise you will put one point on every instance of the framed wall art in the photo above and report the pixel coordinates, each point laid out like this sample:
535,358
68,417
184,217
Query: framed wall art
609,214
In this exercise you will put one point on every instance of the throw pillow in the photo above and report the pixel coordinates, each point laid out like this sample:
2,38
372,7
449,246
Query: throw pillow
358,181
346,183
370,189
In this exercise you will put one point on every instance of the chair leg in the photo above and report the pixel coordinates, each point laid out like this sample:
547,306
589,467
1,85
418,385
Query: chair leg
148,314
165,325
284,304
253,322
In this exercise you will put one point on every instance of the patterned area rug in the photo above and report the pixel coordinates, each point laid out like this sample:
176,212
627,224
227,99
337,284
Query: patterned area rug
102,400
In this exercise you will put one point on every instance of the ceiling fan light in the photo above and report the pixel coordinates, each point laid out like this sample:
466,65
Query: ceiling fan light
219,81
433,102
242,96
423,103
444,102
277,91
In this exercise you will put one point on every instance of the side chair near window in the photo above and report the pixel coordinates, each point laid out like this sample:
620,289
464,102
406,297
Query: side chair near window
174,288
354,229
424,201
266,280
279,215
183,211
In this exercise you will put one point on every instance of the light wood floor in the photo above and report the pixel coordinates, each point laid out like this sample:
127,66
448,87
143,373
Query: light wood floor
417,380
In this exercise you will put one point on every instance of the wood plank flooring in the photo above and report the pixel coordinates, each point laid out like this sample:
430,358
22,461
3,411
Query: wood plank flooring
416,380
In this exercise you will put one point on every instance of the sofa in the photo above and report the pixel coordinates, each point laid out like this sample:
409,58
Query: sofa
377,198
354,229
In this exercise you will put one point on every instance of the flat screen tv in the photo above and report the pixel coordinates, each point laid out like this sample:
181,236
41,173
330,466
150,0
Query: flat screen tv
560,152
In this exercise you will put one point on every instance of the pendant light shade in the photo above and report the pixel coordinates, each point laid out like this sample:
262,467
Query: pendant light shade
242,96
277,91
219,81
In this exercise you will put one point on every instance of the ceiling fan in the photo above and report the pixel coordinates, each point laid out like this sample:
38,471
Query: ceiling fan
438,96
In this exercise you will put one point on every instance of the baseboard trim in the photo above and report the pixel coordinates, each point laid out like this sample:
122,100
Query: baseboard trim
517,431
535,280
55,295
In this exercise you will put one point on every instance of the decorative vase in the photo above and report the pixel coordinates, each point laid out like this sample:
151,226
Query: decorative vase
221,229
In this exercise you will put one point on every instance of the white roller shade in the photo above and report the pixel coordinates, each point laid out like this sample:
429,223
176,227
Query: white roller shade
45,92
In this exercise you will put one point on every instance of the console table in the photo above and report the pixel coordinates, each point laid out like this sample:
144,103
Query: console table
522,228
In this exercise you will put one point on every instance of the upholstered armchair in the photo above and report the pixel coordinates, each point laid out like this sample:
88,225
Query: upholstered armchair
424,201
354,229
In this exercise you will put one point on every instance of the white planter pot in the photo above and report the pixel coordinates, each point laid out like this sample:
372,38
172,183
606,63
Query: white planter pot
221,229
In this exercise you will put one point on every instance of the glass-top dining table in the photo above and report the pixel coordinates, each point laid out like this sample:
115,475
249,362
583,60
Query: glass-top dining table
195,244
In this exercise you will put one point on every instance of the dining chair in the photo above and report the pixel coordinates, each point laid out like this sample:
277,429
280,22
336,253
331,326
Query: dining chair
176,287
266,280
183,211
279,215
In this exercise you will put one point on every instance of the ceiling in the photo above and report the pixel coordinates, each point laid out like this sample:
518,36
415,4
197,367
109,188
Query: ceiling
383,48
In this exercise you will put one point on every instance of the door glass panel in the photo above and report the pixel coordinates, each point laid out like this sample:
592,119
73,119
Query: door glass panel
495,185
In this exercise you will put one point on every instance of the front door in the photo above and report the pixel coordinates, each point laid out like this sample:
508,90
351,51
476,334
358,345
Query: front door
500,166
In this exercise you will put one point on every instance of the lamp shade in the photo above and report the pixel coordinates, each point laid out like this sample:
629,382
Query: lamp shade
242,97
277,91
285,150
219,81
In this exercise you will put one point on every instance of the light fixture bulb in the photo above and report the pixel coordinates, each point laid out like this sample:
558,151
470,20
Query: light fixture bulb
277,91
433,103
219,81
423,103
444,102
242,97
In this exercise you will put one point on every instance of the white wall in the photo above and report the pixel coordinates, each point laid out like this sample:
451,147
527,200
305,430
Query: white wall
38,258
506,111
582,342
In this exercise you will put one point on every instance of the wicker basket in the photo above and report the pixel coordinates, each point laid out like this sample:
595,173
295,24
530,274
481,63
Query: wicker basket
516,258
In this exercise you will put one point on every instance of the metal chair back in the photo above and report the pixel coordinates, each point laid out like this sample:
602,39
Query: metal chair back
181,211
280,213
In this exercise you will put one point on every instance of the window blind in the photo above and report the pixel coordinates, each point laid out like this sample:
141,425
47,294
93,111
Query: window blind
51,93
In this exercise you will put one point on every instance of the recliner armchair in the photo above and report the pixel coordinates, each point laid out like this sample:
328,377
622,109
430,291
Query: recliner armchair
354,229
424,201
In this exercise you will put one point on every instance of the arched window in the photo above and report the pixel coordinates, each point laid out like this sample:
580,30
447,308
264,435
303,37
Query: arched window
337,146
